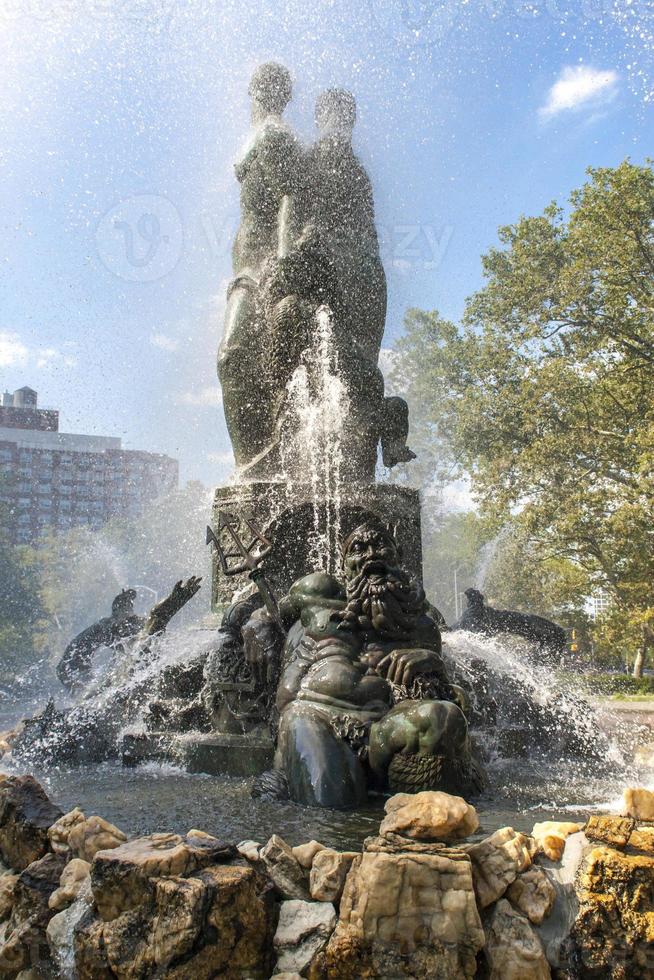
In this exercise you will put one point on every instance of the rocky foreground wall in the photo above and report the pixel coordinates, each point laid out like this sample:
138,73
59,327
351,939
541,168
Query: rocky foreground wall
78,899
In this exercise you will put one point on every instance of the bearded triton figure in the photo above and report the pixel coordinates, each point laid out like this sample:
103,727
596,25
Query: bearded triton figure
362,698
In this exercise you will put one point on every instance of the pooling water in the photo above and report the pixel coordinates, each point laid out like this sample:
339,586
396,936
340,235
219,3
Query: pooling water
153,798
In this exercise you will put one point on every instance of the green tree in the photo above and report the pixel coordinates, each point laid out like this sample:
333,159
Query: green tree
543,397
21,612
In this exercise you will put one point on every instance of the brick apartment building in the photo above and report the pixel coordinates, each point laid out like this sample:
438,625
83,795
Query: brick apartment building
59,480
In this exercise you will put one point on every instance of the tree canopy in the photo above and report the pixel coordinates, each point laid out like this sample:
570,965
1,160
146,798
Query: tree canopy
542,396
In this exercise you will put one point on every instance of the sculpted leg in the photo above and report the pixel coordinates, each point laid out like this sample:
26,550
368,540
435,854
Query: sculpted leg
421,745
243,375
321,769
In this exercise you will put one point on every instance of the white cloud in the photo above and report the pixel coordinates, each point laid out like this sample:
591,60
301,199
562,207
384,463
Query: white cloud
577,87
164,342
206,395
13,352
50,357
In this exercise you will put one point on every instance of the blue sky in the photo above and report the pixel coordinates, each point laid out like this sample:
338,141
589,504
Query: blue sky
470,113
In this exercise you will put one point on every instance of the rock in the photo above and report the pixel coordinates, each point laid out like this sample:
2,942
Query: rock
25,937
302,932
533,894
6,742
286,976
61,931
73,877
200,835
613,934
7,889
615,831
429,816
642,839
328,873
285,870
406,912
26,814
124,877
513,950
639,803
551,836
305,853
217,922
60,830
87,837
497,861
249,849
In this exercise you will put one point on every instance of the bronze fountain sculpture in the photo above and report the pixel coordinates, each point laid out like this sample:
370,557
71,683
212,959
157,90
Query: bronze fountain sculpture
347,674
326,679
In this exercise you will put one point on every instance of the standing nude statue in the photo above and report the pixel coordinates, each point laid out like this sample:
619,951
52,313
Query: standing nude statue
269,173
340,215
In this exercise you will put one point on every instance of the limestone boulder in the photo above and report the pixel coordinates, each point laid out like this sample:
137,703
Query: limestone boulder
551,835
87,837
61,931
513,950
75,875
611,830
638,803
6,742
249,849
25,934
302,932
7,892
305,853
328,873
497,861
26,814
288,875
429,816
613,934
59,832
125,876
406,911
642,839
532,894
216,922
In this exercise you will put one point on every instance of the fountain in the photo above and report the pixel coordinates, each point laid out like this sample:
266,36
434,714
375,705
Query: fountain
326,678
330,681
340,683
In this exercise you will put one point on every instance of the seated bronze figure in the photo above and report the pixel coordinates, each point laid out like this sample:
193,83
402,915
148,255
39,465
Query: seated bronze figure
362,700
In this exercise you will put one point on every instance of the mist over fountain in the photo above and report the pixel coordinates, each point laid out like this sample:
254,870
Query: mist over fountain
308,416
324,681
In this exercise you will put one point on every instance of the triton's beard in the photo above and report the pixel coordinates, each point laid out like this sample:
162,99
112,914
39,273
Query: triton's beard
382,600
